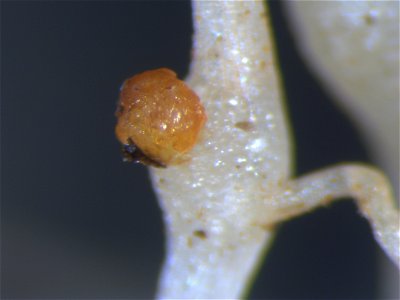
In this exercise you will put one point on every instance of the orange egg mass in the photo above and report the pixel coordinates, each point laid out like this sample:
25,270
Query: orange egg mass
159,118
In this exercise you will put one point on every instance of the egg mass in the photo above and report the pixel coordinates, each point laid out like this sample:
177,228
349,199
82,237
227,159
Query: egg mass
159,118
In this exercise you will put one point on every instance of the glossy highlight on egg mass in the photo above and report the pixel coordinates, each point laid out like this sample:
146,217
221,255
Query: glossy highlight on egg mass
159,118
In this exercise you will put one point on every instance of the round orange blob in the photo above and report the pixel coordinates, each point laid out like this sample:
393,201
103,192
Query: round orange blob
159,118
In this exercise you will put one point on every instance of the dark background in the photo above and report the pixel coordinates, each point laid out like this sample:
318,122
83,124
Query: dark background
76,222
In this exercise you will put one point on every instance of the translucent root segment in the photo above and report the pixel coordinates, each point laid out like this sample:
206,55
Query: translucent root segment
367,186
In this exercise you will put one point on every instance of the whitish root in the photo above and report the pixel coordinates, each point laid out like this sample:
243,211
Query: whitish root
366,185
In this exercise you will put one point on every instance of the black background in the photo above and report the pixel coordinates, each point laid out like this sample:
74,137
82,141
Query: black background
76,222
